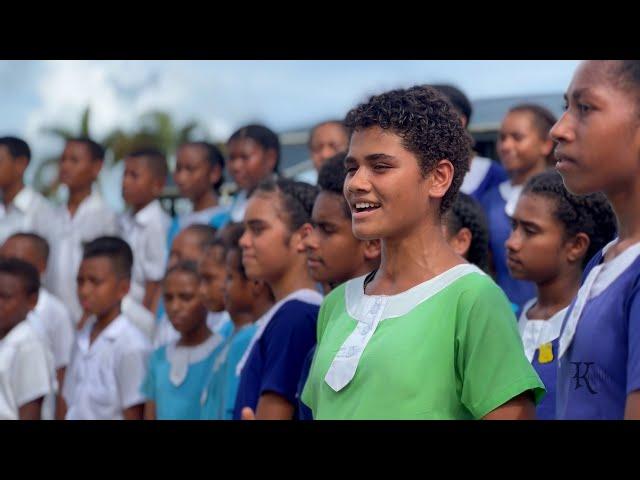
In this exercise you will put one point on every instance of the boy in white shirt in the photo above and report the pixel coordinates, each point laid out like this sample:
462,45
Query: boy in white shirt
22,209
110,354
50,318
145,225
26,366
85,217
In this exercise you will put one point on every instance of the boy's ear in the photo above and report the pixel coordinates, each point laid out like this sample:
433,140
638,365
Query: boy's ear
303,232
124,284
441,178
372,250
96,166
271,157
577,247
32,300
21,163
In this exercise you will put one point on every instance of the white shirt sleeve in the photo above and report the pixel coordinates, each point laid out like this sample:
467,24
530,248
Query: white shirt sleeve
32,375
131,369
154,255
63,336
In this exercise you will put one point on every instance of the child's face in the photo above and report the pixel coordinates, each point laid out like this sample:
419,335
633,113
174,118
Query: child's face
237,289
182,302
187,246
598,136
334,255
327,140
100,289
194,175
212,276
267,249
10,170
14,301
536,246
382,173
139,185
77,167
23,249
520,146
249,163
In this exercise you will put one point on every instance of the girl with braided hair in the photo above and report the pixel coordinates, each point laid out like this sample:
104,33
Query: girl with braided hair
554,235
277,220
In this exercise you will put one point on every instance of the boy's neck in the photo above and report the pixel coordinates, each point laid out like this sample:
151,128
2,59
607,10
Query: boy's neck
556,294
76,196
136,208
11,192
411,259
5,331
205,201
103,321
296,278
197,336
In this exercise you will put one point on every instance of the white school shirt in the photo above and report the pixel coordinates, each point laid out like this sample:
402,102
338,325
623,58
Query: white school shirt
53,323
92,219
146,234
28,212
26,370
104,378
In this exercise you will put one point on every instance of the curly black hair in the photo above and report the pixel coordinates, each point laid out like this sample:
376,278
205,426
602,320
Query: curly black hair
331,178
465,212
591,214
626,74
297,199
428,125
457,98
185,266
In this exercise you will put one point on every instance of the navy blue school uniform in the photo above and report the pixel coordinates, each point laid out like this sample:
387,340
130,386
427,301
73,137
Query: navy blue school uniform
275,360
494,203
483,175
540,341
304,412
599,348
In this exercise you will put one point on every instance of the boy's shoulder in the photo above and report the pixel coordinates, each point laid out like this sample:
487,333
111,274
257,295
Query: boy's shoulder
50,304
296,309
23,335
126,336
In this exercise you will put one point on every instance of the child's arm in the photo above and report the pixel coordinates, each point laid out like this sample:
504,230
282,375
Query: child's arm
272,406
632,407
60,410
150,410
31,410
152,292
134,413
518,408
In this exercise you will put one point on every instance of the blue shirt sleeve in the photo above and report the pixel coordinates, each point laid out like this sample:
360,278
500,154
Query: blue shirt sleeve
633,342
304,412
292,335
148,388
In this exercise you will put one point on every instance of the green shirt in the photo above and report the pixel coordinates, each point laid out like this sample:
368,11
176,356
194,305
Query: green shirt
447,348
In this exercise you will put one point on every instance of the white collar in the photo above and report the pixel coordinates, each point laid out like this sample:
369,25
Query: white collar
535,332
24,199
510,194
147,214
477,172
93,201
612,269
110,333
181,356
357,301
304,295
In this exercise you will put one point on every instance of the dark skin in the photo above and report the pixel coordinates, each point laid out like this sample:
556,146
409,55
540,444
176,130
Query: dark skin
187,314
78,170
140,187
11,172
538,250
100,291
15,304
598,146
24,249
249,163
195,177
